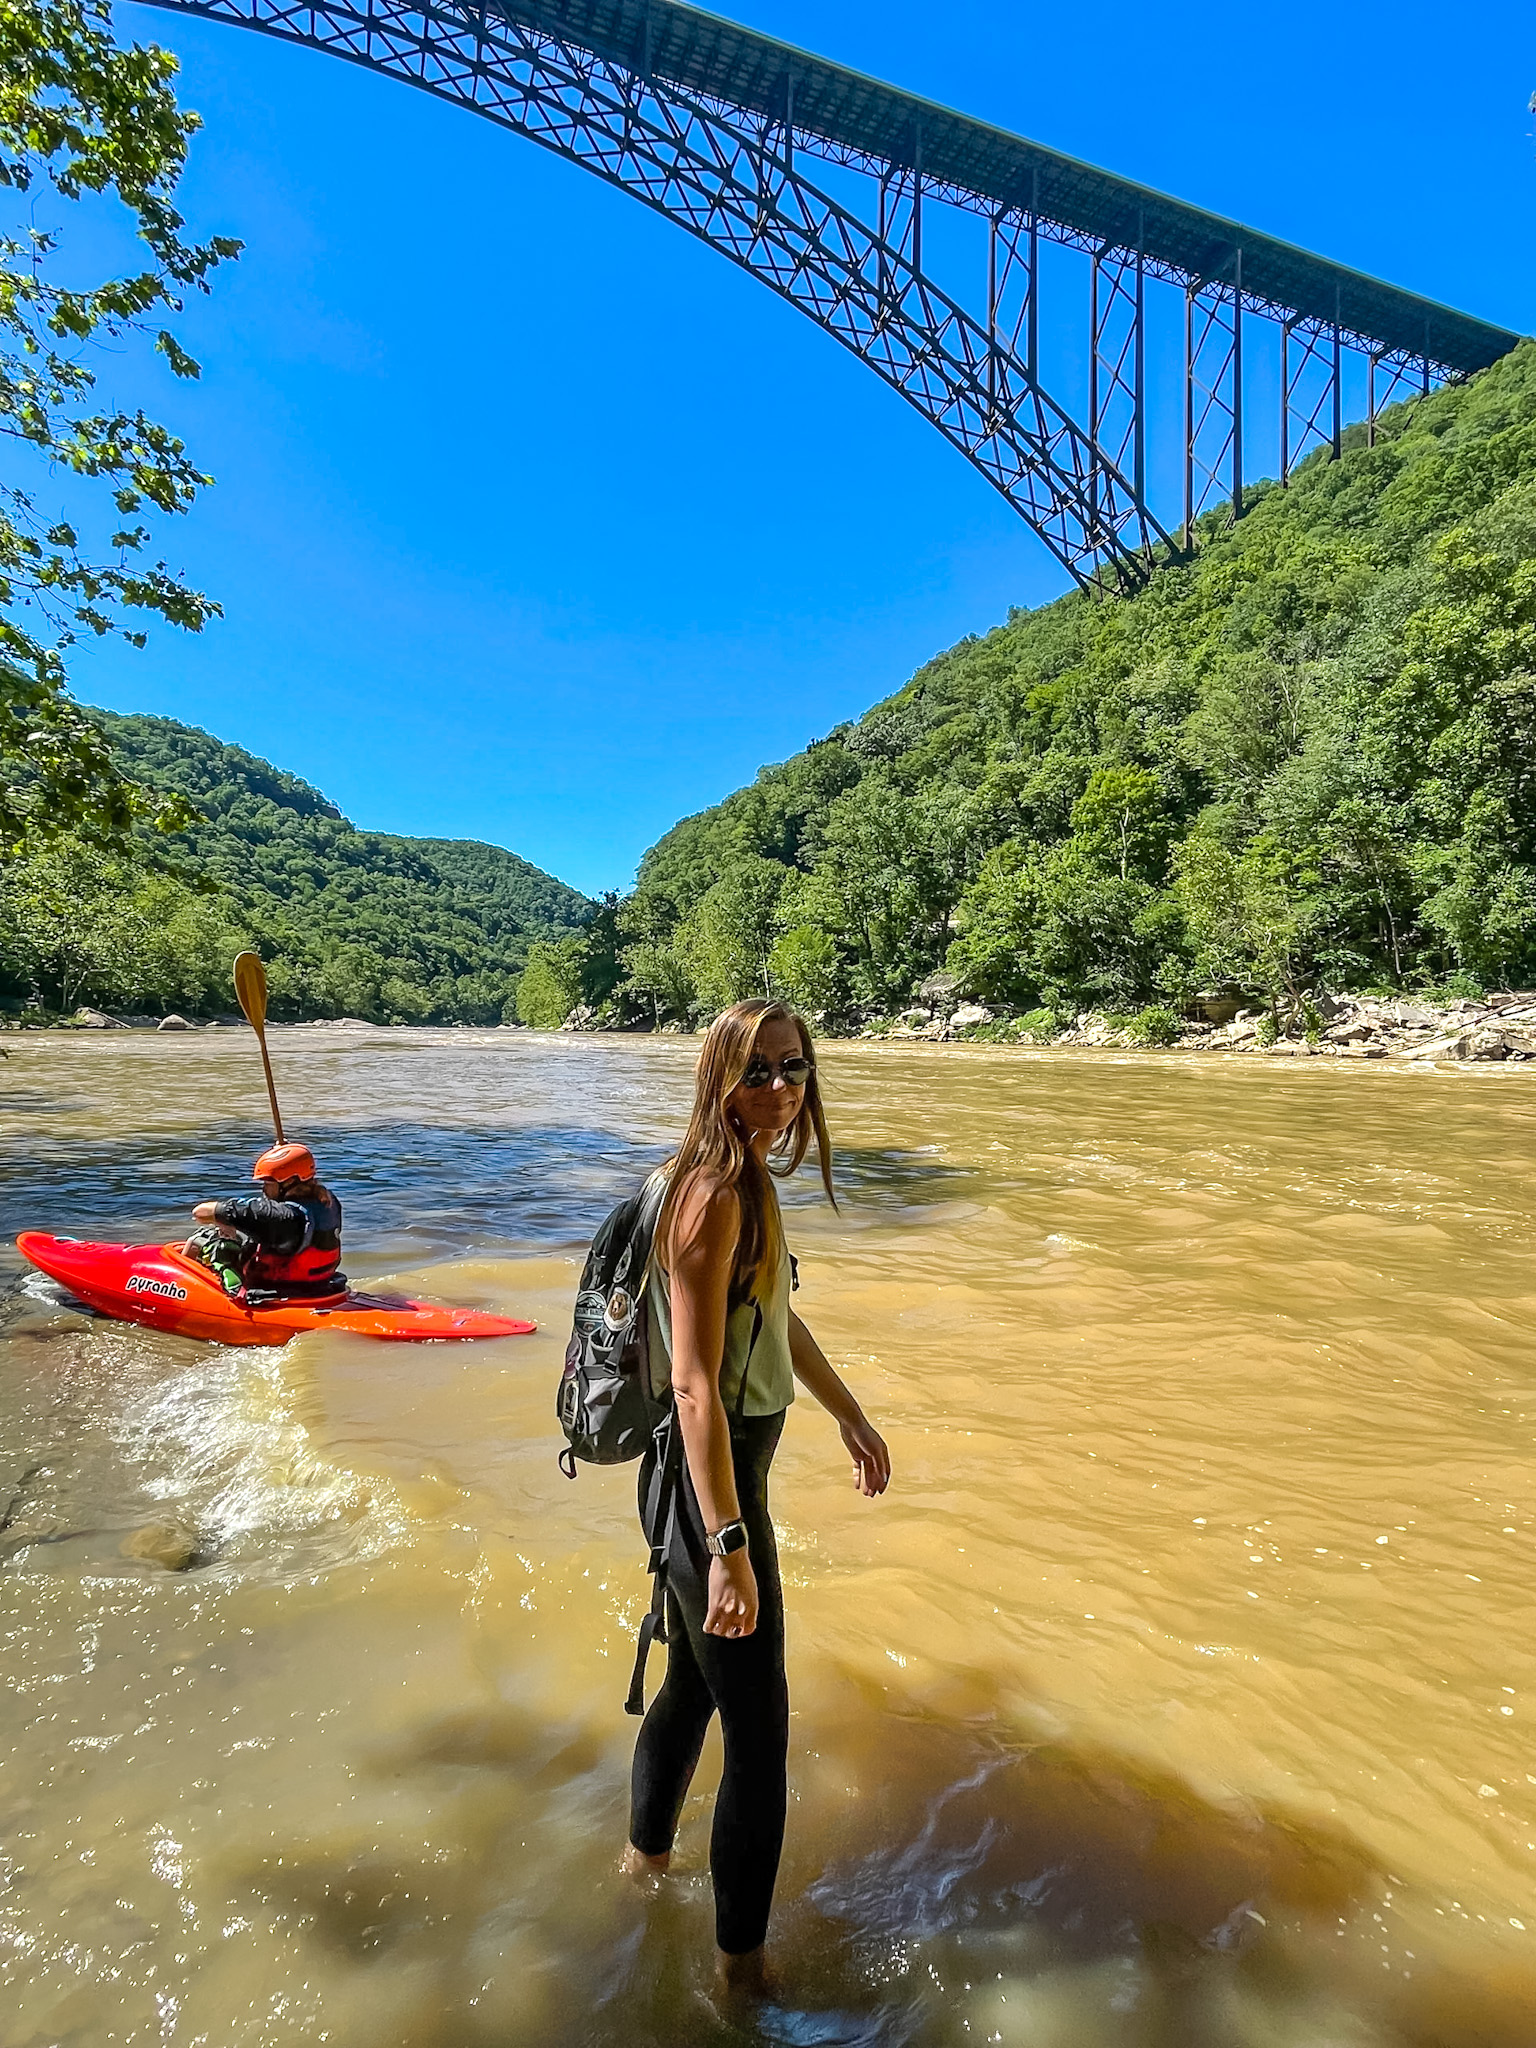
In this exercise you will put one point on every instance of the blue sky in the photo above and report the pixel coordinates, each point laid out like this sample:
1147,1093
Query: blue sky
538,522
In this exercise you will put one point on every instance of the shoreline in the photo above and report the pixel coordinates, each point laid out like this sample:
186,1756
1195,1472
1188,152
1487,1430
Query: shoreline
1495,1029
1491,1028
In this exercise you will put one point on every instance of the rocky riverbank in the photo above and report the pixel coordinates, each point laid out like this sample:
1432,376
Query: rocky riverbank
1491,1027
121,1020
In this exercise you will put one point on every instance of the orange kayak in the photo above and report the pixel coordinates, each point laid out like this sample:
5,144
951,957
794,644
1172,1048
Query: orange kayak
159,1286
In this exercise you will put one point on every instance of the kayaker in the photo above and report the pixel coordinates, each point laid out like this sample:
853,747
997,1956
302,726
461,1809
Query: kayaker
286,1240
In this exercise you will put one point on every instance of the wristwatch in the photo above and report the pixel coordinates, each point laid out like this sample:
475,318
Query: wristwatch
731,1536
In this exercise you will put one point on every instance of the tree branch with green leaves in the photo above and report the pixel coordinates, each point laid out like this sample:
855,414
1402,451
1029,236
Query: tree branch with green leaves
86,117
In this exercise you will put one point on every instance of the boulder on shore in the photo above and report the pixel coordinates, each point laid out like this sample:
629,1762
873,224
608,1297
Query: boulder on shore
941,992
917,1024
1215,1005
969,1014
173,1023
1242,1030
1482,1042
95,1020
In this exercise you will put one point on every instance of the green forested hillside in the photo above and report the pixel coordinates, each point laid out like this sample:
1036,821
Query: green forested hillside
351,923
1308,759
1305,760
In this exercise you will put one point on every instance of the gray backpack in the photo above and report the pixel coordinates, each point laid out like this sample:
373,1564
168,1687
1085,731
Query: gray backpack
605,1404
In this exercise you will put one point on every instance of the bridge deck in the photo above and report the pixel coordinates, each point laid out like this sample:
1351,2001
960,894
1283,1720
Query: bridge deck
703,54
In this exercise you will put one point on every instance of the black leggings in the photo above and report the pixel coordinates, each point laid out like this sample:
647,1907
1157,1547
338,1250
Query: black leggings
741,1678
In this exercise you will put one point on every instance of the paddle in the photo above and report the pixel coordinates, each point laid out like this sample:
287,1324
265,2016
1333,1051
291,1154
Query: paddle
251,988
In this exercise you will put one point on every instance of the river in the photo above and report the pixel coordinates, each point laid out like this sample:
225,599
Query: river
1179,1694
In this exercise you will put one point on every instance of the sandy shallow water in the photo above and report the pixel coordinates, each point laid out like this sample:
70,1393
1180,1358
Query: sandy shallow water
1180,1692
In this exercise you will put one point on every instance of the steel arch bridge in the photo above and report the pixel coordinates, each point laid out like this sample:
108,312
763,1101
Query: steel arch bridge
712,125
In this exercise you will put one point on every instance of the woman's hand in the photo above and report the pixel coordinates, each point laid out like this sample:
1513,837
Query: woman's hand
732,1596
821,1380
871,1460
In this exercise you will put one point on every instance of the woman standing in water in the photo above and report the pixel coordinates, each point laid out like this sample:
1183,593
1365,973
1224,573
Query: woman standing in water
719,1307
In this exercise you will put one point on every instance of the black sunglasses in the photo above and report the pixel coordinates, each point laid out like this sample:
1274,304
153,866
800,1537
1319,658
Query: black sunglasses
795,1071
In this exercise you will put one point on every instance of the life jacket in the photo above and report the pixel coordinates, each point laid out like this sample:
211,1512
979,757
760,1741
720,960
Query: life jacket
317,1258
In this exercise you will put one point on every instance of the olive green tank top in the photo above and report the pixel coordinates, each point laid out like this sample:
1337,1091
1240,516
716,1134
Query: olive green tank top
756,1376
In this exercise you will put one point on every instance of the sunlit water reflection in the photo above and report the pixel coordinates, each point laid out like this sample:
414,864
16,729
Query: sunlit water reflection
1179,1693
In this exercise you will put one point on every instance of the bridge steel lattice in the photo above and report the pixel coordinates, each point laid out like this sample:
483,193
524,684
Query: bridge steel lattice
713,126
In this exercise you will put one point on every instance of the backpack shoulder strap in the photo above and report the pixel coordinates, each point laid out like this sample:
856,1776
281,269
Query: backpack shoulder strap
652,1195
654,1627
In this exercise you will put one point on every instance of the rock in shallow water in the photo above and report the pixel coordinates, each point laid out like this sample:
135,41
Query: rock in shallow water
168,1544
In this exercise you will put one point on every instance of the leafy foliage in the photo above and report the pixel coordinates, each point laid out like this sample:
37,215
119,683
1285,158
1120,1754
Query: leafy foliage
1307,758
82,925
551,984
90,119
351,923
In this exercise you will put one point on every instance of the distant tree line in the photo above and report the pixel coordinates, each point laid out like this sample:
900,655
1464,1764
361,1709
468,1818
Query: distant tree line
351,923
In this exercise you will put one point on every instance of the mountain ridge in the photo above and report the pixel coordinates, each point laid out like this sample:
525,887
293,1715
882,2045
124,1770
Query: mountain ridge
372,924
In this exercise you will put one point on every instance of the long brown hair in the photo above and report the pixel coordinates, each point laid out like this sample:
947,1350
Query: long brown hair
716,1145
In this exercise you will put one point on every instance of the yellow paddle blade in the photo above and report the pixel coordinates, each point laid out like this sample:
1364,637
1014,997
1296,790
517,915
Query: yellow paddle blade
251,987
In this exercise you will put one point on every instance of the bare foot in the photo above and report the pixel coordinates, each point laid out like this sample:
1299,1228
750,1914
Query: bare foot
745,1977
636,1863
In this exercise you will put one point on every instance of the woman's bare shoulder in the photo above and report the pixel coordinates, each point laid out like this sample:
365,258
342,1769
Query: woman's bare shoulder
707,1215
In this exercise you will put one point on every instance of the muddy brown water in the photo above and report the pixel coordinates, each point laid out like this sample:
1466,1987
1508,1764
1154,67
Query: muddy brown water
1179,1695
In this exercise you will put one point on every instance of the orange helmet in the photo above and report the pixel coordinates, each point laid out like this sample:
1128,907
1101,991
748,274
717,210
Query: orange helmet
284,1163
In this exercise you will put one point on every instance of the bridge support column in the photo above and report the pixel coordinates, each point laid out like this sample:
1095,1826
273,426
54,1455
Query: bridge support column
899,225
1311,399
1213,394
1013,312
1336,380
1117,362
1237,385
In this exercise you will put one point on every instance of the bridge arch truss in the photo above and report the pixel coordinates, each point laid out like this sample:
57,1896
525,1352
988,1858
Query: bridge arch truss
718,129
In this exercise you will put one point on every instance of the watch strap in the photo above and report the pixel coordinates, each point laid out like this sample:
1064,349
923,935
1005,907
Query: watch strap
731,1537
